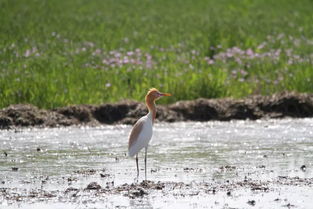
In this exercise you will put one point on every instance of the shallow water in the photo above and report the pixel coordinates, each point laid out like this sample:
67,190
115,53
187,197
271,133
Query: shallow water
189,152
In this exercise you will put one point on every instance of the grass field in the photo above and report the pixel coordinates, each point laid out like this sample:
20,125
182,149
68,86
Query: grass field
61,52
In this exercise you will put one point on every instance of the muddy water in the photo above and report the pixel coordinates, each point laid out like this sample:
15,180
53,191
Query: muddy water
239,164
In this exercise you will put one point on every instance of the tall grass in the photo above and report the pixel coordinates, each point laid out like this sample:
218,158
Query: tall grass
55,52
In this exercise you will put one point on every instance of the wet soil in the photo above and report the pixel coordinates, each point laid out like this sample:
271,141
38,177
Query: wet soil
287,104
100,190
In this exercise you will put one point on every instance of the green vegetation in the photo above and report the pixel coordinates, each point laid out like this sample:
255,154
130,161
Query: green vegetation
61,52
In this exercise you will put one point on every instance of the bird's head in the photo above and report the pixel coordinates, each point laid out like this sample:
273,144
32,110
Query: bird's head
154,94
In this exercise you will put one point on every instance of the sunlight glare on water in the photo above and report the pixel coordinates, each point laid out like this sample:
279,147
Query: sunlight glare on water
281,144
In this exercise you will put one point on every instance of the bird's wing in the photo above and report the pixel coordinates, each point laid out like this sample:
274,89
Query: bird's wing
135,133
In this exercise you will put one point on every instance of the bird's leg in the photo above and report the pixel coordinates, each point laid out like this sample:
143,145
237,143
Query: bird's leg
146,163
137,167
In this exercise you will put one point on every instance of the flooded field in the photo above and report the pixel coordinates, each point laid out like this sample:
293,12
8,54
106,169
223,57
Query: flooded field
238,164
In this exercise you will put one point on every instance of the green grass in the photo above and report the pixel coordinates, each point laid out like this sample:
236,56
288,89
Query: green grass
61,52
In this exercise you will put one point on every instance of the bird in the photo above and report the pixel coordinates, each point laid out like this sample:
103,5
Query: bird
141,132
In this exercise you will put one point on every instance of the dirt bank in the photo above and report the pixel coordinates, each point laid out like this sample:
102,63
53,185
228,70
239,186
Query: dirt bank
286,104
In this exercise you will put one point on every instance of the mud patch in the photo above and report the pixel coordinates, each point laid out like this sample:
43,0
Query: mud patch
127,112
152,188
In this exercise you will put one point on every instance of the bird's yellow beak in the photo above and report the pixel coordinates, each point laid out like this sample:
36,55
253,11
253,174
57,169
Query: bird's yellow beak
166,94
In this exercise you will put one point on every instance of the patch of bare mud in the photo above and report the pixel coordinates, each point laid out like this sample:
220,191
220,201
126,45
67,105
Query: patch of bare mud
146,188
287,104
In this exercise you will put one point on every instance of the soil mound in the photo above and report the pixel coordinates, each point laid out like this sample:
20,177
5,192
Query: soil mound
287,104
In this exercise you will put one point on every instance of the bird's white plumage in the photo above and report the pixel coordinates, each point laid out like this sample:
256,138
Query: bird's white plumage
144,137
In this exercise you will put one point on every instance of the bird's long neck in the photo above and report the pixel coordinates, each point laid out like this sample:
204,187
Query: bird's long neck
151,107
